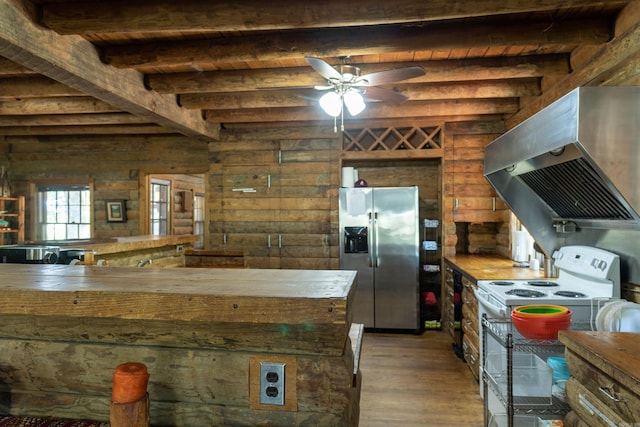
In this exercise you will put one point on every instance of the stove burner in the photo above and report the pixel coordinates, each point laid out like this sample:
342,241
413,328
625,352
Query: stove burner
570,294
501,283
541,283
527,293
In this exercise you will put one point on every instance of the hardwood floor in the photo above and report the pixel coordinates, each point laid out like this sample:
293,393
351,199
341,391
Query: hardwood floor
411,380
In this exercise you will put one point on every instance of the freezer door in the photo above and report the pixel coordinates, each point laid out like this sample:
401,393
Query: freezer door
355,209
396,257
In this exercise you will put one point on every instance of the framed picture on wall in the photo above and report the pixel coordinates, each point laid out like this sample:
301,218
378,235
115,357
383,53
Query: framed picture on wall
116,211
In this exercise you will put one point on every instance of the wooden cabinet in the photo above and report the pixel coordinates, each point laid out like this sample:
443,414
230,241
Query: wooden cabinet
470,326
11,220
605,386
448,307
472,197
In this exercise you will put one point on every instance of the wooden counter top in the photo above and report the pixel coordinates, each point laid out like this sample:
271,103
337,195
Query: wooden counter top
188,294
486,267
615,353
135,243
121,244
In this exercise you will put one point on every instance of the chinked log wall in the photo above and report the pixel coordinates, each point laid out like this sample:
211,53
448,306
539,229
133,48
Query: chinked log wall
291,220
296,216
113,164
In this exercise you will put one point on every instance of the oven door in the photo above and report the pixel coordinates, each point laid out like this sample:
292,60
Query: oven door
494,309
490,305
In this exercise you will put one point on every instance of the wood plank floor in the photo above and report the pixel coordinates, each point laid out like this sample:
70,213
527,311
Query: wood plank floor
411,380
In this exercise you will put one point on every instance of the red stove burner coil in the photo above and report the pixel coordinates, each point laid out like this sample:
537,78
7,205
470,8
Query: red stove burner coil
527,293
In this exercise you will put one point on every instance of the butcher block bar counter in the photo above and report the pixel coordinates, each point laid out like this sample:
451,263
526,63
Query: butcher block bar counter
487,267
202,333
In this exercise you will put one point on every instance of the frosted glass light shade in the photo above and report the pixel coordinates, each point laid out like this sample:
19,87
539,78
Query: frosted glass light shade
354,102
331,103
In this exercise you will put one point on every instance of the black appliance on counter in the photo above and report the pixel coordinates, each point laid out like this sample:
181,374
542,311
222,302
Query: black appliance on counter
71,255
29,254
37,254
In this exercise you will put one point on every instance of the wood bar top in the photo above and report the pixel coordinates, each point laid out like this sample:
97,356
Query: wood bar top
487,267
615,353
136,243
189,294
121,244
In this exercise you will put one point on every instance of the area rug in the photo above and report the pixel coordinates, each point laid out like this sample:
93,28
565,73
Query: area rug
25,421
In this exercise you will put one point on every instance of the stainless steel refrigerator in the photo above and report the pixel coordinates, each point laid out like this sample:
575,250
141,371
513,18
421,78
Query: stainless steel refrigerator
379,238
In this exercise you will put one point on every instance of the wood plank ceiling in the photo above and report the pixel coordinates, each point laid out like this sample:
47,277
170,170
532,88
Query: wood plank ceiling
192,67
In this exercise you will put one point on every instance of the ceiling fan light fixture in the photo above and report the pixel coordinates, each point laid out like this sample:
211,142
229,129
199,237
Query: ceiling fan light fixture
331,103
354,102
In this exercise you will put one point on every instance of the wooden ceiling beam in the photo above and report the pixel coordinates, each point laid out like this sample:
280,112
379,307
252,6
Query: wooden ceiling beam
336,42
73,61
63,105
71,119
306,77
622,54
415,92
426,109
86,130
90,17
9,68
33,87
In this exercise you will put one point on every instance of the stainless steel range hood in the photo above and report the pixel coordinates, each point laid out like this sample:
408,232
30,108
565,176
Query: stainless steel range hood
574,164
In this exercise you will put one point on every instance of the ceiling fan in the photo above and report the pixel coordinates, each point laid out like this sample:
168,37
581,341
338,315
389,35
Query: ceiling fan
349,88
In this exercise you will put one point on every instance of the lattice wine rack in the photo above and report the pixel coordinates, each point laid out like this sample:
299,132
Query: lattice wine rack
410,141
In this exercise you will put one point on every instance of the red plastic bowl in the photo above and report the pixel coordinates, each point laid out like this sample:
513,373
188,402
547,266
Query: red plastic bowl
542,327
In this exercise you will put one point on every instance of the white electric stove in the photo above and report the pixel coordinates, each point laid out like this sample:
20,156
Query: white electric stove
585,274
587,278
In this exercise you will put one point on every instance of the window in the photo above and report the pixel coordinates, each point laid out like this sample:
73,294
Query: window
198,220
64,212
159,200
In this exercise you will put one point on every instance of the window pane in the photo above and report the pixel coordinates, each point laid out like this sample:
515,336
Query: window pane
159,207
64,212
72,231
84,231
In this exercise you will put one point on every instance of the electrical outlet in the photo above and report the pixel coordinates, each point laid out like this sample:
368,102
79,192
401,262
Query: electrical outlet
272,383
179,249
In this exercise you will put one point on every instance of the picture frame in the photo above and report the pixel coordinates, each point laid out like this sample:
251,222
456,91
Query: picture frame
116,210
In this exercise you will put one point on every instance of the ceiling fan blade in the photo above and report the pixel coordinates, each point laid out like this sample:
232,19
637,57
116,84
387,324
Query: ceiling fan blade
325,70
392,76
380,94
321,87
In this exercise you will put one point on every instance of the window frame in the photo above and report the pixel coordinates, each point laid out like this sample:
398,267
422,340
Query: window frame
199,198
168,211
38,220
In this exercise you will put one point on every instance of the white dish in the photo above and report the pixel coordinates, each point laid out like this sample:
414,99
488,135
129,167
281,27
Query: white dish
602,318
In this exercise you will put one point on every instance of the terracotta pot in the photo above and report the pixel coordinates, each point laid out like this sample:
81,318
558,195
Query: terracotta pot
129,382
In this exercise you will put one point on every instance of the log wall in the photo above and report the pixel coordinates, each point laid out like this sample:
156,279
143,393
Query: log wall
287,217
114,166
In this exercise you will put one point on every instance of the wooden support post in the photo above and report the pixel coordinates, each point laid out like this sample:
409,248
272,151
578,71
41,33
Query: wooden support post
129,397
133,414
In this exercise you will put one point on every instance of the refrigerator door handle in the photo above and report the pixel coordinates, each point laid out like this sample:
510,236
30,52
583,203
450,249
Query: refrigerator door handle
369,238
375,226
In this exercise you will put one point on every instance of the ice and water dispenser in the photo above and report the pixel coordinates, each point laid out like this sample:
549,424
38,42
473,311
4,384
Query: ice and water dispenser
355,240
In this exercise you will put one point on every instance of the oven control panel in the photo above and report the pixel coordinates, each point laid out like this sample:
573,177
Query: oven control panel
588,261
